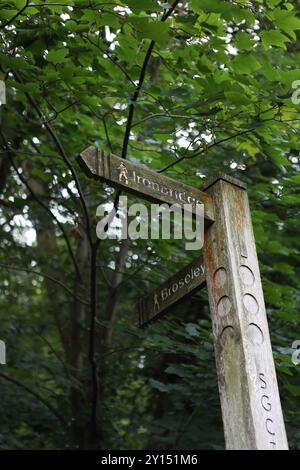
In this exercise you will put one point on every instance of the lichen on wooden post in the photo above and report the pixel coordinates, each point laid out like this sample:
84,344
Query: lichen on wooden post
250,402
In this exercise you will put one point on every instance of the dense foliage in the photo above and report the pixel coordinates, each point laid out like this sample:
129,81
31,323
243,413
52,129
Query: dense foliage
190,88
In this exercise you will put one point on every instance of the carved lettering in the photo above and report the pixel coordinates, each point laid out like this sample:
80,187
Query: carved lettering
187,280
269,420
261,375
265,403
267,406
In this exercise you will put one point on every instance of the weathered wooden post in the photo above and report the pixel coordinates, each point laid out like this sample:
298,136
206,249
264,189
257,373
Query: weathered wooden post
250,402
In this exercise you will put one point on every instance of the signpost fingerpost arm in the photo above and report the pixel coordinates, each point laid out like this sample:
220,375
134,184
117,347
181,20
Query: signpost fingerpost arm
142,181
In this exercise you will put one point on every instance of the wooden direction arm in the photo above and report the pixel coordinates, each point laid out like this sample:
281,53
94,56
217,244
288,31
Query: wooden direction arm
142,181
185,282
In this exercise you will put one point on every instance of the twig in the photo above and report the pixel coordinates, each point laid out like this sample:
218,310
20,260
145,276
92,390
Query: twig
46,276
62,153
136,94
107,134
170,116
111,58
60,360
199,152
16,15
37,396
60,225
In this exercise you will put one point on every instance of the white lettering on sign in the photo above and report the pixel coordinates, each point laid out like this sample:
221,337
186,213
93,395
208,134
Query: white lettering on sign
180,283
180,196
177,287
123,174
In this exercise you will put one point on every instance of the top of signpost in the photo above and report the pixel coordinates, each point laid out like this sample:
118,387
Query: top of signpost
224,177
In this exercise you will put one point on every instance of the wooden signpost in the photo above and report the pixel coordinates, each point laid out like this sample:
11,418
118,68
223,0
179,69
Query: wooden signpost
251,409
185,282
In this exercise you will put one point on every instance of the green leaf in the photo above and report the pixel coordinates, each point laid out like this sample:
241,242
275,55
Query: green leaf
19,3
144,5
273,3
286,20
294,389
159,386
240,15
227,10
7,14
155,30
106,19
192,329
26,87
245,64
57,56
211,6
127,47
289,76
14,62
61,7
273,38
237,98
244,41
179,370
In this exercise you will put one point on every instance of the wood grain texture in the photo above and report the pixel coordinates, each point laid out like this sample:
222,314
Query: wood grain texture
142,181
176,288
251,408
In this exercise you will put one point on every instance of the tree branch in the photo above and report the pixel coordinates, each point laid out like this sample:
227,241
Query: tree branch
46,276
199,152
37,396
62,153
93,364
136,94
15,16
111,58
60,225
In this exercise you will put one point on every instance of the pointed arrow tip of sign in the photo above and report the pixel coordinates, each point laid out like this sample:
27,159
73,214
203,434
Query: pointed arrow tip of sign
86,160
87,153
